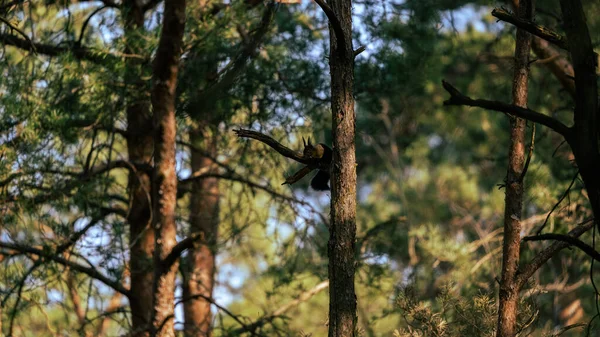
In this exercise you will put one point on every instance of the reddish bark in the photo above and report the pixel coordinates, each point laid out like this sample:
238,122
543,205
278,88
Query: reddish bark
199,268
140,147
164,191
509,289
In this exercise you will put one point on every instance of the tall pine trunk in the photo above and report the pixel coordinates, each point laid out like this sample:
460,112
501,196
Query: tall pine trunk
509,288
164,184
199,267
140,146
342,305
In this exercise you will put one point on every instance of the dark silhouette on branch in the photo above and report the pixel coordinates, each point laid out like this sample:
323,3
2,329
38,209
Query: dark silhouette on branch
315,157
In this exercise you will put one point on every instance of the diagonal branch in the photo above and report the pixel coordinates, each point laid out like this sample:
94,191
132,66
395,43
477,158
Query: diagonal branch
527,270
555,62
277,146
457,98
52,256
220,307
176,252
335,23
569,240
298,175
532,27
283,309
12,27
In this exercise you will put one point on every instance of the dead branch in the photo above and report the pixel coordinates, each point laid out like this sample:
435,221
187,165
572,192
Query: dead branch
277,146
532,27
457,98
335,23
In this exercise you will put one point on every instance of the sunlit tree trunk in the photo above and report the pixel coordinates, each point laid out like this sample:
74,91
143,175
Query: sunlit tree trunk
509,290
199,265
342,305
164,184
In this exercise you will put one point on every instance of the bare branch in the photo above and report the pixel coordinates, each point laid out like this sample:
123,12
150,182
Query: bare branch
532,27
359,50
298,175
12,27
176,252
558,202
335,23
553,60
277,146
527,270
87,21
457,98
570,240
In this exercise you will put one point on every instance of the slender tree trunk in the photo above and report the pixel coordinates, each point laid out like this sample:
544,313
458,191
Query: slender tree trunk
509,289
140,146
342,298
164,185
199,267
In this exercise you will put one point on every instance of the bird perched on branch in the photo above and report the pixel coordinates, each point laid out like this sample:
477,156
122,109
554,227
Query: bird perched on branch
323,154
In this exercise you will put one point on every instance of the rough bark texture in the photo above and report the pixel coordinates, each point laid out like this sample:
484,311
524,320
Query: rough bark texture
140,146
199,267
164,190
342,305
585,140
509,290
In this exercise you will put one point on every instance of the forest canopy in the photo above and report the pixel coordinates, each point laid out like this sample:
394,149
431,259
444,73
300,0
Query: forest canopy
299,168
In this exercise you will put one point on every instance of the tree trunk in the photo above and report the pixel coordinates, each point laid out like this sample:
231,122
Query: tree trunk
509,289
164,192
199,268
587,124
140,147
342,298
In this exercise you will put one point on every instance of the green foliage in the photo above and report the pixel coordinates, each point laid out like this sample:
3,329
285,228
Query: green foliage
430,210
451,314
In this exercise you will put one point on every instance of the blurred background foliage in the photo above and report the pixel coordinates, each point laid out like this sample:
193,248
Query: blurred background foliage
430,207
